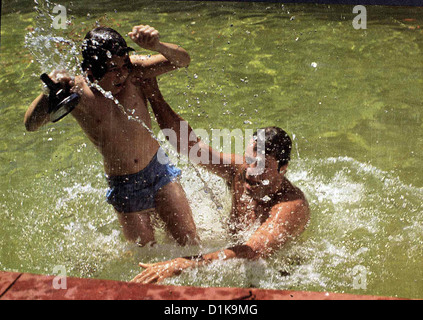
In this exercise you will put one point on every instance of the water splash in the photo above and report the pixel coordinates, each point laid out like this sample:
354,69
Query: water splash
294,138
49,46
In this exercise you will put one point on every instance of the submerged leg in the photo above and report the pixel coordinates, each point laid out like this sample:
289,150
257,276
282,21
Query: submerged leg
137,226
173,208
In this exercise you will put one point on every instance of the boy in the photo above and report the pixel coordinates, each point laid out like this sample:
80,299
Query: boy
138,182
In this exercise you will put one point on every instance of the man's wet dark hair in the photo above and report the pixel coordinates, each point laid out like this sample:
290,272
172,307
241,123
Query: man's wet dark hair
277,144
99,45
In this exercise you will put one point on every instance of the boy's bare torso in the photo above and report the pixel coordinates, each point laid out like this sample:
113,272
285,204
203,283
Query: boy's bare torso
126,146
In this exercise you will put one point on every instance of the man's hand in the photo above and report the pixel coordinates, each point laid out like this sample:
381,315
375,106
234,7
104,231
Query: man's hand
146,37
157,272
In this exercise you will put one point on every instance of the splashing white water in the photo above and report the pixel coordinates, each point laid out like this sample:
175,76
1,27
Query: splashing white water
49,46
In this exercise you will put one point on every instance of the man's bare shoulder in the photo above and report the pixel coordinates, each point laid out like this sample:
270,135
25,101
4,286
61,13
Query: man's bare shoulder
291,197
292,213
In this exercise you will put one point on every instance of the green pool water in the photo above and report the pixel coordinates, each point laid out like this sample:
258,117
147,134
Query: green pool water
351,99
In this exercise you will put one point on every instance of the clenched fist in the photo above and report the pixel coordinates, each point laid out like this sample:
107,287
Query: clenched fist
146,37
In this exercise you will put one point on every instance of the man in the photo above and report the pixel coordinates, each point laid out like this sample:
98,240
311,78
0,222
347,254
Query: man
265,196
138,183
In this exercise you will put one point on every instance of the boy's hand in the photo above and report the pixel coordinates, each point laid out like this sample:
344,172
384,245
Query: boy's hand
62,77
146,37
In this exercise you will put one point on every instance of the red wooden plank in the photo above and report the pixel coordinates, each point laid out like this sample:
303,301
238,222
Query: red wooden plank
39,287
6,280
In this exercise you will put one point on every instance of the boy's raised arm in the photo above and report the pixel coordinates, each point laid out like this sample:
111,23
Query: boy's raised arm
37,113
170,57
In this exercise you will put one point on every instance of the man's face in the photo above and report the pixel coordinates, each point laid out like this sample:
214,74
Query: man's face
262,176
118,69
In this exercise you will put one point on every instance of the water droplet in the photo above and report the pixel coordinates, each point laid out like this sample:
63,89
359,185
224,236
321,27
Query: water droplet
108,95
266,198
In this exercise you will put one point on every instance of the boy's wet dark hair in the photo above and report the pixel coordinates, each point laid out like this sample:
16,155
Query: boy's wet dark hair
99,45
277,144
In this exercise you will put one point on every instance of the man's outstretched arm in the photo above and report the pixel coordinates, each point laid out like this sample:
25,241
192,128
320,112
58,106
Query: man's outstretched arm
169,119
286,221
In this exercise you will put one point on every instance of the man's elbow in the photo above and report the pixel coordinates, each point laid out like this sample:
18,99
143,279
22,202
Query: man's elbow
30,128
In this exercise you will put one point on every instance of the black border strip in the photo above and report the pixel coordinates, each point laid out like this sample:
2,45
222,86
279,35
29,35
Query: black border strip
350,2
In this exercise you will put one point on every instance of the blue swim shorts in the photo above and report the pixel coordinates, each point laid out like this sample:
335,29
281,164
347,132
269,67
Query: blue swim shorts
136,192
